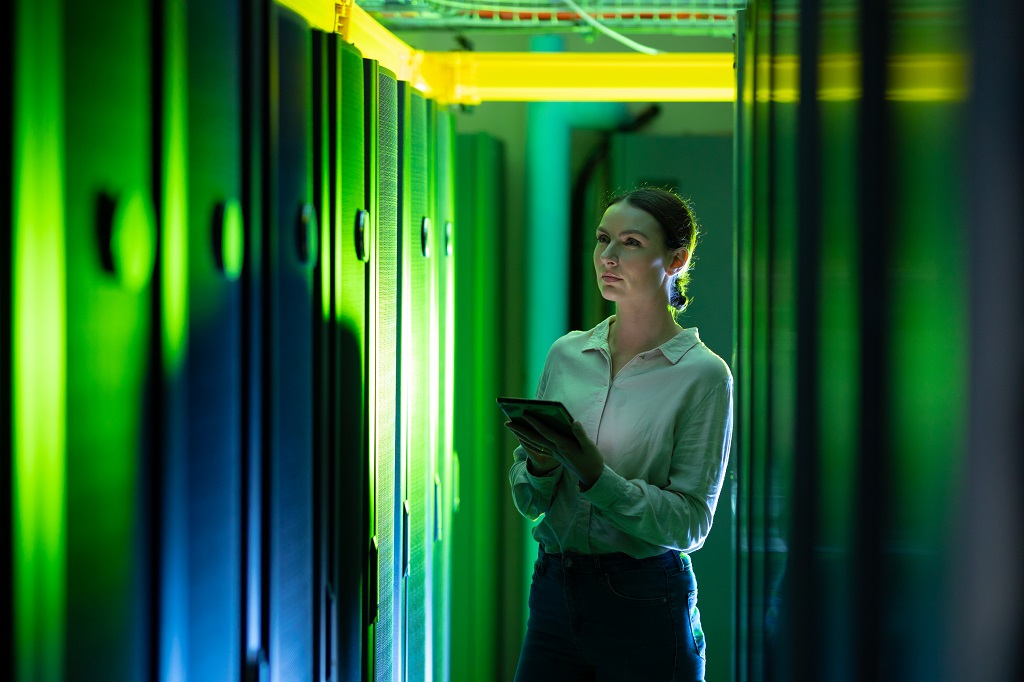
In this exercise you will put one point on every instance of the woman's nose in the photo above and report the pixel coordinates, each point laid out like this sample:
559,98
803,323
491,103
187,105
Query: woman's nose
609,254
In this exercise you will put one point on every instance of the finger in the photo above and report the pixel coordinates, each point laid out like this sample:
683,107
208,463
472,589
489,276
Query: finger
580,432
544,430
534,445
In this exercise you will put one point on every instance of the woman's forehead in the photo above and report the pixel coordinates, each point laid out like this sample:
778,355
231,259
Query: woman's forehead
623,217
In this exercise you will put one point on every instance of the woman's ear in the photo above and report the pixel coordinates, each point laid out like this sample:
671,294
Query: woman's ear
679,261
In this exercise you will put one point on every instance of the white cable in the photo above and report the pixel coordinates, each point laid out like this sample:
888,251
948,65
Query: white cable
540,6
614,35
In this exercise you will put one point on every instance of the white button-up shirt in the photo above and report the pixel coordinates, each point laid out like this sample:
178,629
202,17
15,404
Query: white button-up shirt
664,427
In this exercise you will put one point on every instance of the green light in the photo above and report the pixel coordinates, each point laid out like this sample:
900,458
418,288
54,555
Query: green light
174,233
38,396
232,240
133,242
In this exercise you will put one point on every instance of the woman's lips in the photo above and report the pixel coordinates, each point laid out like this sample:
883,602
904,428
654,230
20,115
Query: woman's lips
608,277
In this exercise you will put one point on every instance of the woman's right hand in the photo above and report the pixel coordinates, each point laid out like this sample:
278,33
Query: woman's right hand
538,464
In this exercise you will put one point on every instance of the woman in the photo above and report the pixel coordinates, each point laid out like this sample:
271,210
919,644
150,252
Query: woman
625,499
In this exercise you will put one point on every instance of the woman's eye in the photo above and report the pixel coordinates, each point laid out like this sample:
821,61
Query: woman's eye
602,238
632,242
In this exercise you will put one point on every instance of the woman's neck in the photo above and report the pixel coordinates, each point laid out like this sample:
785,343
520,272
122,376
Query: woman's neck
637,330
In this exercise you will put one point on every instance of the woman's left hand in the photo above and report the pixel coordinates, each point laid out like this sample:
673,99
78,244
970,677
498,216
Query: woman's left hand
577,452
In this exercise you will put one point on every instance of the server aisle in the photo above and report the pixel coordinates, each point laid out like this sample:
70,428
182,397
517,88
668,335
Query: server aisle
232,388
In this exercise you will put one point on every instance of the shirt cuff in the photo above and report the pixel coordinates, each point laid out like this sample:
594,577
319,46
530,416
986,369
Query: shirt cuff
608,488
545,483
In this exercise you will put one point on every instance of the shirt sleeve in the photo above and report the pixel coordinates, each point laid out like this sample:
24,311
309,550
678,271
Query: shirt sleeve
533,494
679,515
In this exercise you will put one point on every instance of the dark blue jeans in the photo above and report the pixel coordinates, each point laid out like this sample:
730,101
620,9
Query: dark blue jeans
612,617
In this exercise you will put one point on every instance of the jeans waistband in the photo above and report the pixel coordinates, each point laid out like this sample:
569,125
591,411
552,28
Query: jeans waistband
606,563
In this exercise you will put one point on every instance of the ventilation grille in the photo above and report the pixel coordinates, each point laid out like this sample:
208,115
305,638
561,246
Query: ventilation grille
386,380
420,452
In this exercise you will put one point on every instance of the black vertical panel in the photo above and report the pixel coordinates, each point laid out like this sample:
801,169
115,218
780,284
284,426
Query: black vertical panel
292,252
257,204
803,574
348,515
985,622
742,129
214,450
323,380
875,228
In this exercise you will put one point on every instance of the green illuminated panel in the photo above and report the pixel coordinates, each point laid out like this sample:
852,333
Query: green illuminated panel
476,603
108,143
929,372
38,309
444,277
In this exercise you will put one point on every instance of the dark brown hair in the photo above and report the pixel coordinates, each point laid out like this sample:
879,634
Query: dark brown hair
678,227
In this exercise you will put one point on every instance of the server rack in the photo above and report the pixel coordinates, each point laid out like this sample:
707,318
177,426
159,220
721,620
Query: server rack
108,173
416,369
292,248
381,106
353,477
212,504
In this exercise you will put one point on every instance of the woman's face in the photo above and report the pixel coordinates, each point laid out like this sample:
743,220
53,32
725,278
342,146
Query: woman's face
630,257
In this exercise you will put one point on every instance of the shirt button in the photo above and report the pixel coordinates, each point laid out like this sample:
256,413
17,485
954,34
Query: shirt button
568,563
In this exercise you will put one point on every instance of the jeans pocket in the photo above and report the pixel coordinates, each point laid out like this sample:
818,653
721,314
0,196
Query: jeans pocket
696,630
644,585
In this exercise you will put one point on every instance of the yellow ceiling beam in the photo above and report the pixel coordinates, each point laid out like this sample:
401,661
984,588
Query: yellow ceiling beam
475,77
319,13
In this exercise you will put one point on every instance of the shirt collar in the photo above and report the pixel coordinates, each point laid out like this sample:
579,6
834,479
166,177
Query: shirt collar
673,349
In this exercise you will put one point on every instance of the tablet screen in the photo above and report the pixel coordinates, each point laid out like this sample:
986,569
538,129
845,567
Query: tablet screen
549,411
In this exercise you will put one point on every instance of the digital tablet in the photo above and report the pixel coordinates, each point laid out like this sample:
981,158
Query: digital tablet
549,411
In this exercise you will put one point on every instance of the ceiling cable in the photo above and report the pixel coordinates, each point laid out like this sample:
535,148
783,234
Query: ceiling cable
614,35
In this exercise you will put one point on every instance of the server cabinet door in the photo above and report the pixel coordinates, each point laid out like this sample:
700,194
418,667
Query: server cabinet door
350,479
443,480
214,365
323,380
110,246
381,109
340,286
291,252
417,365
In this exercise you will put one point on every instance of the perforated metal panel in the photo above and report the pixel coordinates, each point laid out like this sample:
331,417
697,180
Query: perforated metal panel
384,346
416,373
